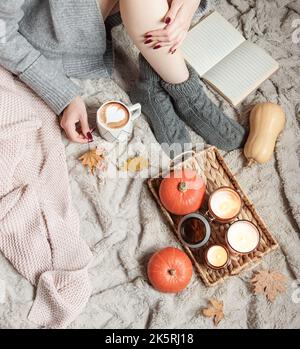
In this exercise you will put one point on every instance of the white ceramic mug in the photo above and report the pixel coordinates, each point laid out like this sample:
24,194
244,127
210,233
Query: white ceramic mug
121,134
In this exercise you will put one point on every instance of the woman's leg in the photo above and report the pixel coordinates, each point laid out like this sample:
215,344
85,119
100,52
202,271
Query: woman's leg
139,17
181,83
108,7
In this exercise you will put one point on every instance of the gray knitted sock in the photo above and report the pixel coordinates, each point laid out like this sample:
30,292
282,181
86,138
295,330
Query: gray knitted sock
203,116
168,128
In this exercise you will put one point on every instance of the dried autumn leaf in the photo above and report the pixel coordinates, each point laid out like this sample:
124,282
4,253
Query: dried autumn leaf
269,283
215,311
91,159
135,164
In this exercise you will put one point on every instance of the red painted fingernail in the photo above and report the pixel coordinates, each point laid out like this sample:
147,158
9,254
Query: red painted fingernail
148,36
148,41
90,137
156,47
168,20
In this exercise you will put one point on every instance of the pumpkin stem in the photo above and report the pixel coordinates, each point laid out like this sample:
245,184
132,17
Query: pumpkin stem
251,162
183,187
172,272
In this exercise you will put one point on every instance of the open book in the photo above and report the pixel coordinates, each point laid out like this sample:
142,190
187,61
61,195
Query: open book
232,65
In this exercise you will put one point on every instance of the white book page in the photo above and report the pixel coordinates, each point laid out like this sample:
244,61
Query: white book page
209,42
240,73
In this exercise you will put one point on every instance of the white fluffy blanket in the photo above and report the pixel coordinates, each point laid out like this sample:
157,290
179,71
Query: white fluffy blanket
123,226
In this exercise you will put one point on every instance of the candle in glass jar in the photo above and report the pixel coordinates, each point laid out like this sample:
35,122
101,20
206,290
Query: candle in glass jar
217,257
243,237
225,204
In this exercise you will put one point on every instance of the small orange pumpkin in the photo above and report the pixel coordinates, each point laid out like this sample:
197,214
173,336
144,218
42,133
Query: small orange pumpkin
182,192
170,270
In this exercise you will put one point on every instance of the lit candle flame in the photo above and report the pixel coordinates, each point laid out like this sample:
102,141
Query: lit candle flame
225,203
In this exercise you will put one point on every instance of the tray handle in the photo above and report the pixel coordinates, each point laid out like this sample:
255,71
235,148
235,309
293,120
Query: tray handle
177,157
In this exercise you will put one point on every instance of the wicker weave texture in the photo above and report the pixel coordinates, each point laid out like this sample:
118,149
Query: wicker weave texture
211,166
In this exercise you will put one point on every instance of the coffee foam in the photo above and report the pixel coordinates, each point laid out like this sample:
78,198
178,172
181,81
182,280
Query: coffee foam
114,115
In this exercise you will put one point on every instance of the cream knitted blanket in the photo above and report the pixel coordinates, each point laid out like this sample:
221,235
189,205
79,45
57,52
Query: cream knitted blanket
39,229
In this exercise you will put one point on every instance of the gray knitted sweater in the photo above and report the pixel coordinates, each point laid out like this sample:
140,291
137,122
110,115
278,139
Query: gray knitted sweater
46,42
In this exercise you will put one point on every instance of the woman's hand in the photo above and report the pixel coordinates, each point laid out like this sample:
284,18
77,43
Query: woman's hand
73,116
178,21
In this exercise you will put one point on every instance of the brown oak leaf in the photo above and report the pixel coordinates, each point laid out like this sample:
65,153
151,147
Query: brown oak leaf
269,283
215,311
91,159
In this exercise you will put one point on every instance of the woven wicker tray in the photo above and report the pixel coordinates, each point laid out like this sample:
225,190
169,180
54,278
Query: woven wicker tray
211,166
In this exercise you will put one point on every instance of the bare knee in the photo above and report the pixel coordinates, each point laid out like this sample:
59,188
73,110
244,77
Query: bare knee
140,17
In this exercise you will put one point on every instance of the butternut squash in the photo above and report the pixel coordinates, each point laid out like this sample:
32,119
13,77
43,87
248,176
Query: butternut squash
267,121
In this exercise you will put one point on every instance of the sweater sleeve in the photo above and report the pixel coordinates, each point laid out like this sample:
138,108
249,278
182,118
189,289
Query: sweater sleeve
19,57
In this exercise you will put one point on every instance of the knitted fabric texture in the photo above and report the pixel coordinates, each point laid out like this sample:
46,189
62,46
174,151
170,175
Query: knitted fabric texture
167,127
203,116
39,229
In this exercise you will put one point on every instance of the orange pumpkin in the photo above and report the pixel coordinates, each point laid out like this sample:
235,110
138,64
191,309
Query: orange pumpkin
182,192
170,270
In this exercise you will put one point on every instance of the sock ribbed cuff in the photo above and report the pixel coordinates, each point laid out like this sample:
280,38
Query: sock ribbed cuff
186,88
146,71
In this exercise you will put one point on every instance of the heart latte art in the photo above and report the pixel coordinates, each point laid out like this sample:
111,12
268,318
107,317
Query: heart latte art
114,115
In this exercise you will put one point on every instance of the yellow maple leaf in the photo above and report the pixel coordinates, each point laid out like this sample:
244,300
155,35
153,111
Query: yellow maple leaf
91,159
135,164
